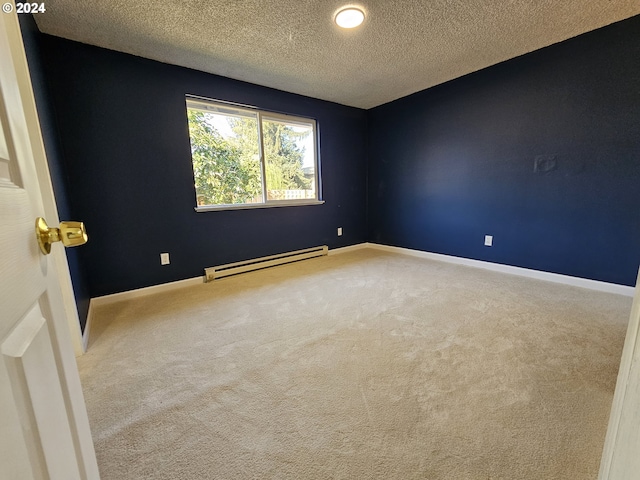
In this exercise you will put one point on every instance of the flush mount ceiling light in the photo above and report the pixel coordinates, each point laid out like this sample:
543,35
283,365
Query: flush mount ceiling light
349,17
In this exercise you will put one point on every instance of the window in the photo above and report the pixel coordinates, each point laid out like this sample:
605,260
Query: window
244,157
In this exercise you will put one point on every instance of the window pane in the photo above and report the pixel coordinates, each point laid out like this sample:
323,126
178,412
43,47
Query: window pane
242,155
289,159
225,154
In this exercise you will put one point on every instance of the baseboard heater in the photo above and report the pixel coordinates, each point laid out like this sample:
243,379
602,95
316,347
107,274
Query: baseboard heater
220,271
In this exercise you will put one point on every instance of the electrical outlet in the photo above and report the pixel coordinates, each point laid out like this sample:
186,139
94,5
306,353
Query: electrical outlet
488,240
339,231
164,259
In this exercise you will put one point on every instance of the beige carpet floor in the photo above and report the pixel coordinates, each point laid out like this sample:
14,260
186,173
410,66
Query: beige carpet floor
363,365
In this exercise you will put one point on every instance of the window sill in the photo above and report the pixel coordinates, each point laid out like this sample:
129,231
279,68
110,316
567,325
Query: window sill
284,203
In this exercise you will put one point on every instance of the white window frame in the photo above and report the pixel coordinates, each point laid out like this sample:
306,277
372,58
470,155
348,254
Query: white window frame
201,103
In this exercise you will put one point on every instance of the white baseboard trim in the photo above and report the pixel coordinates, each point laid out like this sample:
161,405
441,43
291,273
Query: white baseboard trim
142,292
349,248
128,295
87,328
164,287
522,272
496,267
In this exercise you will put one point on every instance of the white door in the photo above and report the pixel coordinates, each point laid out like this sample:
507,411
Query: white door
621,455
44,430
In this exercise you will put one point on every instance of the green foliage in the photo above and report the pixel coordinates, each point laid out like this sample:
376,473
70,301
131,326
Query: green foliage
283,158
227,170
223,175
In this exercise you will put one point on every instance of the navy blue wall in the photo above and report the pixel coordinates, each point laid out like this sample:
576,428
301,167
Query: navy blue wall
455,162
123,131
445,166
31,38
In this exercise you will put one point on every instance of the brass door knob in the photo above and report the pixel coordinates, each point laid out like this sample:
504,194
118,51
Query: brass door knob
71,234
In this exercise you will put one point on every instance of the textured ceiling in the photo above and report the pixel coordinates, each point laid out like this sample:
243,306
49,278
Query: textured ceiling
404,46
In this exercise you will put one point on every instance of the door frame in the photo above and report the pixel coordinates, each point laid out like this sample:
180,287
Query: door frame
44,399
620,460
61,274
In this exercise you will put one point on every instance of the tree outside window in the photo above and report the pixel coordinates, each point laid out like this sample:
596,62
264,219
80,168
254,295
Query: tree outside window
245,156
